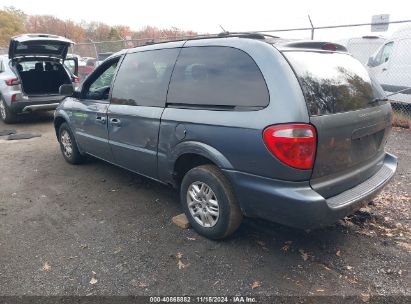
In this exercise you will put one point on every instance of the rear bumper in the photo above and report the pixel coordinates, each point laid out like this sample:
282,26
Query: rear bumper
296,204
47,103
40,107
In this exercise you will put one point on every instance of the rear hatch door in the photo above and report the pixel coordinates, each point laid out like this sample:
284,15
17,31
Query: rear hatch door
351,117
44,45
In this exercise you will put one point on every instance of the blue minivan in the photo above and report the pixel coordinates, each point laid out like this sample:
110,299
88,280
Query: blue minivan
242,124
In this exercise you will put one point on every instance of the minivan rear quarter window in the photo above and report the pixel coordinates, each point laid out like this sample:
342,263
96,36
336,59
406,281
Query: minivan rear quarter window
333,82
221,77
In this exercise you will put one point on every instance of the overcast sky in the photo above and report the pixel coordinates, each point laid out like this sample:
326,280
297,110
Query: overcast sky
206,16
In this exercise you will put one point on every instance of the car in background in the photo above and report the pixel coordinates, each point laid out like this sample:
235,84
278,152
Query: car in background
32,72
79,58
391,65
363,47
86,67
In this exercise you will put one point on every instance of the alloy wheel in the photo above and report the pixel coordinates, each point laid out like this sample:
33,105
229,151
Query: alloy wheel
66,143
3,110
203,204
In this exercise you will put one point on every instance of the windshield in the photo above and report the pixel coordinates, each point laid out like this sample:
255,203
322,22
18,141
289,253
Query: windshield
333,82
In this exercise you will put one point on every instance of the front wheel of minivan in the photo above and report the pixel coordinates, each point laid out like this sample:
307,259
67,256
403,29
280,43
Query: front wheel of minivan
68,145
209,202
5,114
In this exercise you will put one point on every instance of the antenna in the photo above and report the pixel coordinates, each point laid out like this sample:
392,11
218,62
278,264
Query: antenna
312,28
223,28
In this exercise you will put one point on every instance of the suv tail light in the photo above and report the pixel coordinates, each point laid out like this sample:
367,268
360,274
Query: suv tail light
293,144
12,81
75,79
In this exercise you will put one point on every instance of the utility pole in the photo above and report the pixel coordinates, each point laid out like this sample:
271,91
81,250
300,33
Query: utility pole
95,48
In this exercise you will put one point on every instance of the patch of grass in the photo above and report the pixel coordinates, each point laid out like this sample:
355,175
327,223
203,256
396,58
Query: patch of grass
401,119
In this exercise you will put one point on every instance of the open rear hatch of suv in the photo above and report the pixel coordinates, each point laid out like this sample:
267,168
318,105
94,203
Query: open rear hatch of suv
29,45
350,113
38,60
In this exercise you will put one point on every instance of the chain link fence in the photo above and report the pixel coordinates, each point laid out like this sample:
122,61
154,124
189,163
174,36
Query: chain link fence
387,56
94,52
95,48
388,60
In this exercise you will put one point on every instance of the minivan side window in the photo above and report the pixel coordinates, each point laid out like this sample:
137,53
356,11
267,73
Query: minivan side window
143,78
99,87
221,77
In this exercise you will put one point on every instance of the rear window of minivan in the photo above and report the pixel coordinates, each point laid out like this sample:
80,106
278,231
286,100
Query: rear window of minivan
333,82
221,77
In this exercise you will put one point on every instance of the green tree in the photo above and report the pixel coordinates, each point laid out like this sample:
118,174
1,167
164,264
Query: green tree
114,35
12,22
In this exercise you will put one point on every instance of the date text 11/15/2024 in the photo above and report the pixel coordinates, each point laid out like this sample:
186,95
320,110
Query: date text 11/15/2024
203,299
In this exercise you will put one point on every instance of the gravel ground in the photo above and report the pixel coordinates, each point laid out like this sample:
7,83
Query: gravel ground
95,229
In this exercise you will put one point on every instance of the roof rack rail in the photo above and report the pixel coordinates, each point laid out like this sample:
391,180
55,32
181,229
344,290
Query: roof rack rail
250,35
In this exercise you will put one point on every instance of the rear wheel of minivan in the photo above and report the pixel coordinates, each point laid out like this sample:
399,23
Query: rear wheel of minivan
209,202
5,114
68,145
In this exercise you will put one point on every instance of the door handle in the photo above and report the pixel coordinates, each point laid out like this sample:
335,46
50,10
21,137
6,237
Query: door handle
101,119
384,69
115,121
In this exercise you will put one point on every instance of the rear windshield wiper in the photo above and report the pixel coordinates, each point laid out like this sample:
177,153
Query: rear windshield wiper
375,100
389,95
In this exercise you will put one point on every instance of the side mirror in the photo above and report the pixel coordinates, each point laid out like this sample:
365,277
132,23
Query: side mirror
66,90
370,62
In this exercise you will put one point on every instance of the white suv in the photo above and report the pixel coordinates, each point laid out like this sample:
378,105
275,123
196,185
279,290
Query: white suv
32,73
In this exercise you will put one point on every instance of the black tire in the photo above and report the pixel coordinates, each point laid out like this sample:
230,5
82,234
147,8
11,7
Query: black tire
7,116
230,215
74,156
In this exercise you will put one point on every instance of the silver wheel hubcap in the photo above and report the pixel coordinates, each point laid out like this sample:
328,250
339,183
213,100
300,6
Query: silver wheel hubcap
2,109
203,204
66,143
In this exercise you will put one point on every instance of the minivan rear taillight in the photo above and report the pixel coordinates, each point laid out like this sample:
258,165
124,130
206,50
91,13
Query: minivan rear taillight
12,81
293,144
